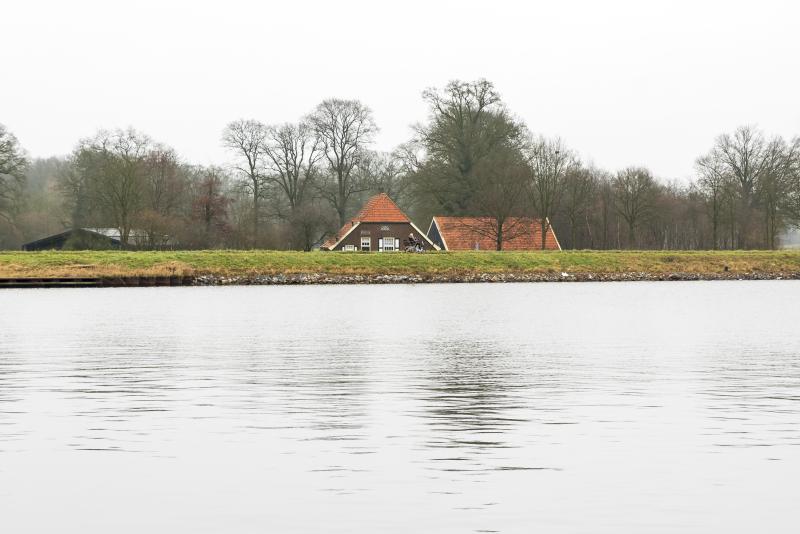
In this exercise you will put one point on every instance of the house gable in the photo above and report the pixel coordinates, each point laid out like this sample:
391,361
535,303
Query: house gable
379,218
436,236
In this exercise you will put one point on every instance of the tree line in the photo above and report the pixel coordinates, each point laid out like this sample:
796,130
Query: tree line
290,185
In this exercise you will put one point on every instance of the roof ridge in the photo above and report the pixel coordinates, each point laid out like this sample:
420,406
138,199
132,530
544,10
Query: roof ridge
380,208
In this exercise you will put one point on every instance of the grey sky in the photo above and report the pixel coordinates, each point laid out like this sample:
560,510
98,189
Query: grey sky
649,83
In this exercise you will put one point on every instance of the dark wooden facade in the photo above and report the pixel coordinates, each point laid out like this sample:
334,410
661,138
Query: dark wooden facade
380,226
373,237
436,237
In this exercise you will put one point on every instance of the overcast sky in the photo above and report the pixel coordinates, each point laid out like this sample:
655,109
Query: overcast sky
623,83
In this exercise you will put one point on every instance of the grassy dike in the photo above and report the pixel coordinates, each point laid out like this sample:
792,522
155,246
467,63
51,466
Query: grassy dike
298,267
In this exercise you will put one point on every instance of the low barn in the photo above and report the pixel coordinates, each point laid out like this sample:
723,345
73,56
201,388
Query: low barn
479,233
97,239
78,239
380,226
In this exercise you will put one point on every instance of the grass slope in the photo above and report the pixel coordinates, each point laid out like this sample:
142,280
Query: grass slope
229,262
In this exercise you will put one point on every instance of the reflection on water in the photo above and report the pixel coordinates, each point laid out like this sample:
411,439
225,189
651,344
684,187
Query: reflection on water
463,408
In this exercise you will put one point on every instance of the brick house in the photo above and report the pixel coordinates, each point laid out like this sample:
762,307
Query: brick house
380,226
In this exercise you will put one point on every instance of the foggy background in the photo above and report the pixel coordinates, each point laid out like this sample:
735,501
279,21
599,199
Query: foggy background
623,83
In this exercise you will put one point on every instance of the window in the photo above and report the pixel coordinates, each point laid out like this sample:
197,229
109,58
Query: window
349,248
384,228
388,244
365,244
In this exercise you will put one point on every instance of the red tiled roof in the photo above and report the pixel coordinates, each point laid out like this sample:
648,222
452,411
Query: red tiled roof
381,209
378,209
471,233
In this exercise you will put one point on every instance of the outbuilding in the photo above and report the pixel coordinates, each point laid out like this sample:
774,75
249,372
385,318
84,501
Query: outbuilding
480,233
78,239
96,239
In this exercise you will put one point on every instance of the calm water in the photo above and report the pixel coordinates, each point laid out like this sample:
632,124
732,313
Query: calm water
643,407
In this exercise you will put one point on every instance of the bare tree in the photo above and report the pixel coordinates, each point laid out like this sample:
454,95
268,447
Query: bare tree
744,176
467,122
579,186
293,152
500,200
165,185
210,206
110,166
775,187
744,156
345,129
247,139
714,183
549,161
606,211
387,173
793,196
13,163
634,190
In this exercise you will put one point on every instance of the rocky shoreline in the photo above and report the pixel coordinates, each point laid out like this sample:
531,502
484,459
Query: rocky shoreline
327,279
352,279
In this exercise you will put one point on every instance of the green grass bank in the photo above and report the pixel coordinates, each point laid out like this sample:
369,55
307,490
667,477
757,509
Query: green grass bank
230,263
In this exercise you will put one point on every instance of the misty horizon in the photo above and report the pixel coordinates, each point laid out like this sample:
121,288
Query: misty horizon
621,84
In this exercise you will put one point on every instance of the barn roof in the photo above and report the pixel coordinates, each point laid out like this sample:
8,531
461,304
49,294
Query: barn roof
471,233
378,209
135,236
48,241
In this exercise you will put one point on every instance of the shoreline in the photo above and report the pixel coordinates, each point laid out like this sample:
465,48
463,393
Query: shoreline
205,280
472,278
262,267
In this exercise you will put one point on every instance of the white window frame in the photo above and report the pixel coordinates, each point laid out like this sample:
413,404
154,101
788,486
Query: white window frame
366,241
349,248
386,247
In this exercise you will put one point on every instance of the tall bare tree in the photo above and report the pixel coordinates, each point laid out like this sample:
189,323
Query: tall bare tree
745,158
165,186
247,139
744,154
111,167
634,192
745,176
210,206
549,162
345,129
579,187
293,152
793,196
775,187
714,182
13,163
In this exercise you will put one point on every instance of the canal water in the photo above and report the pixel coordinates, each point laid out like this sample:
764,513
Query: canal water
616,407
